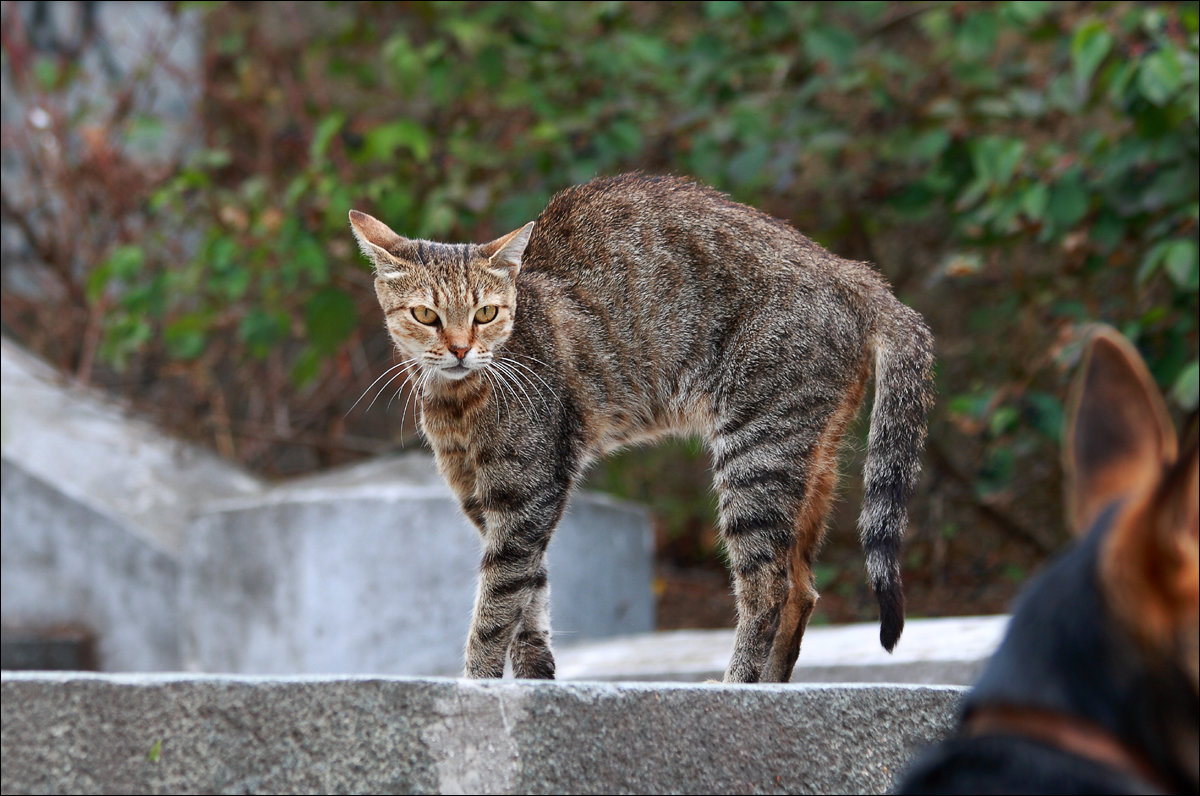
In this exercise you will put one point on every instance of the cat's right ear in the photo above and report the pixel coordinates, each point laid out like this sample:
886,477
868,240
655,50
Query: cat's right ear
386,250
504,254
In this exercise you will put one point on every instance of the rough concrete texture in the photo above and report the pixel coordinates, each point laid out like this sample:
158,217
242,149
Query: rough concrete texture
172,734
358,569
950,650
176,560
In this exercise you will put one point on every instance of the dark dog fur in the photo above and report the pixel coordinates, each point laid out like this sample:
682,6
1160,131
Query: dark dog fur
1095,687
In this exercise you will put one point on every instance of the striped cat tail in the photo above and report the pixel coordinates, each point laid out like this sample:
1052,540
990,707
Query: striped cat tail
903,395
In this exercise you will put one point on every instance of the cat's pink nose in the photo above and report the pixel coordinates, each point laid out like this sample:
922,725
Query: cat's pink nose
459,351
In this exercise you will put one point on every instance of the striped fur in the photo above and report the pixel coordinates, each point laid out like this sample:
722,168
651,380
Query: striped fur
639,306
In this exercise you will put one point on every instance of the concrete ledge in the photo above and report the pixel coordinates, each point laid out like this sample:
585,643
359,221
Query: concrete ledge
946,651
182,734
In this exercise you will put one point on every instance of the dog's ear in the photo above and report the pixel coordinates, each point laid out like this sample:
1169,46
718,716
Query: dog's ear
1150,565
1119,435
1182,521
1121,446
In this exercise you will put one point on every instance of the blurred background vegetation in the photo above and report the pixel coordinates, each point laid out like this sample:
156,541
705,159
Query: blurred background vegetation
1017,170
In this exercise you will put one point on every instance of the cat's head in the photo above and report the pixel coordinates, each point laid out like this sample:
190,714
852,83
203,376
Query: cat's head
447,306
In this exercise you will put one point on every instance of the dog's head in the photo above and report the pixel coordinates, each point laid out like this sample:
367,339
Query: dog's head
1121,447
1096,686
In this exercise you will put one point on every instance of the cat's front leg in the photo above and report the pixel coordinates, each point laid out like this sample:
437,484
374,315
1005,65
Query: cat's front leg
511,602
455,467
530,652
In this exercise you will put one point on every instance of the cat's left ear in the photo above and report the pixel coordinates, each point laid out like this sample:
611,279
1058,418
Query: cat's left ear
504,254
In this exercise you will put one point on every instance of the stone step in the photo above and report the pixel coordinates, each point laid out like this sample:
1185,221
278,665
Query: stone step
948,650
76,733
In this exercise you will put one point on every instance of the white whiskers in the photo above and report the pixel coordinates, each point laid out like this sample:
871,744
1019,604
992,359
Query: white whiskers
405,364
514,385
419,386
513,362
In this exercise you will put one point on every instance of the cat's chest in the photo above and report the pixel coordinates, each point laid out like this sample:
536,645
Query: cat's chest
457,422
447,429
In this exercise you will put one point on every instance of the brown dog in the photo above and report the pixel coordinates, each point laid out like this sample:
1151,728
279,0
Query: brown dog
1096,687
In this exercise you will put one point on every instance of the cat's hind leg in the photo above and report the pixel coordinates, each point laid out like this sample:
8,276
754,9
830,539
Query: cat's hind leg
810,532
771,470
760,490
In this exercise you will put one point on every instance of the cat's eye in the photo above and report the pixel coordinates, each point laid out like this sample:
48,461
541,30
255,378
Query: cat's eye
425,315
485,314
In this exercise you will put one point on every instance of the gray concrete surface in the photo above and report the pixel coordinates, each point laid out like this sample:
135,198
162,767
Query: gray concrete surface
172,734
353,570
176,560
64,563
949,650
94,454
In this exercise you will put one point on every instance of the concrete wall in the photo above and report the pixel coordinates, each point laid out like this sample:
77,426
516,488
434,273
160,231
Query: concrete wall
164,734
355,570
64,563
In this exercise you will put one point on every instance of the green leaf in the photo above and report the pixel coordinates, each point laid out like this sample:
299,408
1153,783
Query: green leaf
305,259
221,253
124,335
1003,420
1015,572
996,474
184,337
1180,263
649,51
833,45
324,133
382,142
145,132
97,282
46,73
1045,413
1160,76
126,262
1108,230
329,318
976,37
471,34
1068,201
155,750
207,159
927,145
1028,11
624,137
1090,44
1186,390
1177,257
996,159
306,367
1035,200
972,405
262,331
722,9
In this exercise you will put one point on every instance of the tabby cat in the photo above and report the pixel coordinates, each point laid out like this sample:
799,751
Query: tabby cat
634,307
